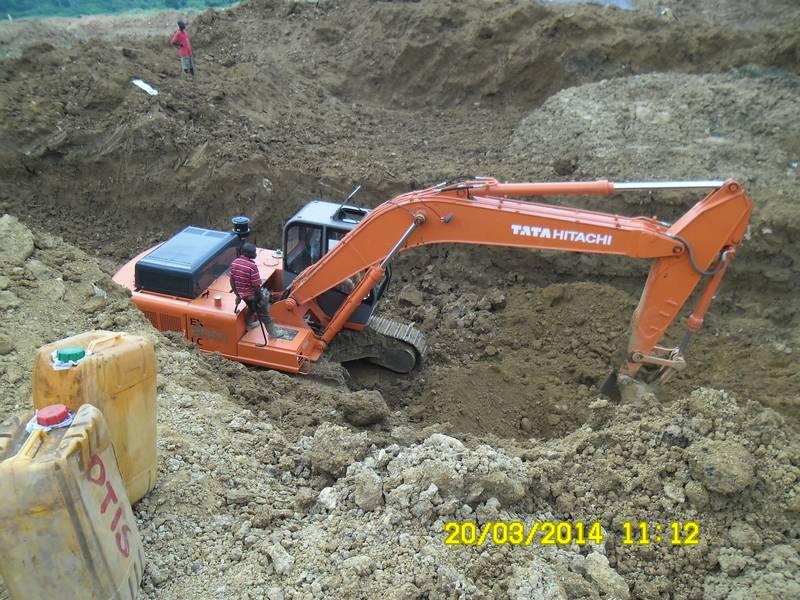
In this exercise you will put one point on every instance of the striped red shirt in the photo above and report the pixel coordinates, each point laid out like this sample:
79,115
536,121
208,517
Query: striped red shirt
245,277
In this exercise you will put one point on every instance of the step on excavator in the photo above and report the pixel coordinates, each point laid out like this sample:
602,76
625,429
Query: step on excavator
326,281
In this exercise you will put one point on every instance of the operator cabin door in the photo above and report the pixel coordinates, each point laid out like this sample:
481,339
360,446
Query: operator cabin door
304,245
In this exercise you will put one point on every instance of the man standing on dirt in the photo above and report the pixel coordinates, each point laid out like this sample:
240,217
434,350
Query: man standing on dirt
181,41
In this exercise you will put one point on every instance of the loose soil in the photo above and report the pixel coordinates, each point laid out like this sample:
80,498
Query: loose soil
275,486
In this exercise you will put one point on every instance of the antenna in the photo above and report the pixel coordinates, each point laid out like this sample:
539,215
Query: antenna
346,200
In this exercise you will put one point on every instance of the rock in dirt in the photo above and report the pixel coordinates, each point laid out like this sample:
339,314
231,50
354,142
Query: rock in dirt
526,425
696,494
157,576
722,466
239,496
6,344
731,561
304,498
275,593
455,472
411,295
743,535
17,239
675,492
607,579
328,498
8,300
364,407
534,580
496,299
333,448
368,489
360,564
454,583
282,561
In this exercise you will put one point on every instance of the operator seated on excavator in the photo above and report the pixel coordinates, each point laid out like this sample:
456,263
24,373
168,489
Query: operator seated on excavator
246,284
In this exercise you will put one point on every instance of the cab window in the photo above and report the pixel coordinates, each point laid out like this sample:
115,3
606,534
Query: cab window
303,247
333,238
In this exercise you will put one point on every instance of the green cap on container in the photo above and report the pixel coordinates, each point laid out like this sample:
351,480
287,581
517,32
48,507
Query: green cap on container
70,353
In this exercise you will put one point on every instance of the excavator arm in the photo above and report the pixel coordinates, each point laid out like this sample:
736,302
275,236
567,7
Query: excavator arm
481,211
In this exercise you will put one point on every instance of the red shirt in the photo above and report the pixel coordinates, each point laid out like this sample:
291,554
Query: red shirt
245,277
182,38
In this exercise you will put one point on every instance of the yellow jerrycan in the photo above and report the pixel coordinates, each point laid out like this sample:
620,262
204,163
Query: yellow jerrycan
68,530
116,372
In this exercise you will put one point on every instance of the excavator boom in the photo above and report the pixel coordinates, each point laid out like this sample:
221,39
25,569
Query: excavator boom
699,244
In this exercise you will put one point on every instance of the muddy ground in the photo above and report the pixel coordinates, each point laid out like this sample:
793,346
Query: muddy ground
277,486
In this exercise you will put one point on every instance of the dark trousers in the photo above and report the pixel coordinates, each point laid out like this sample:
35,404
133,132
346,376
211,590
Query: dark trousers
259,307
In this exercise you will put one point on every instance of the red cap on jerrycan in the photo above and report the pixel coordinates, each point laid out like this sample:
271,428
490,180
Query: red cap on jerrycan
52,415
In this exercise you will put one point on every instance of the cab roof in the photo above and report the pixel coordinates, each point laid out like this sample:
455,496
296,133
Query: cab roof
330,214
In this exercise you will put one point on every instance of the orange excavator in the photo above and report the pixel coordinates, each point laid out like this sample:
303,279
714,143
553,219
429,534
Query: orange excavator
326,281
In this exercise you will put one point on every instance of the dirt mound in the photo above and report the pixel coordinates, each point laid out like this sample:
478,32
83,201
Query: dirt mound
654,463
739,123
319,107
520,53
747,15
685,127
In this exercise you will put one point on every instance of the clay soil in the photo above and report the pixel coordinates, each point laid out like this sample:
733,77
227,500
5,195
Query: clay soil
274,486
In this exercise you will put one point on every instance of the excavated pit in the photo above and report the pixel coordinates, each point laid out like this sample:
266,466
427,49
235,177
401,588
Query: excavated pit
395,96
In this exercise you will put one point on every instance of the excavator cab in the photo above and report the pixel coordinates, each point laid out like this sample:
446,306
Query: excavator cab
314,231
